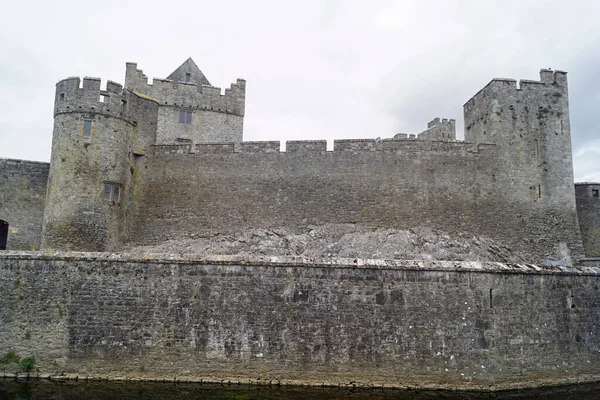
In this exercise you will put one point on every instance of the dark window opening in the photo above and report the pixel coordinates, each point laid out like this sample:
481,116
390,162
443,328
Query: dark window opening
123,103
185,117
112,192
116,194
539,191
61,97
87,128
188,76
595,193
3,234
537,148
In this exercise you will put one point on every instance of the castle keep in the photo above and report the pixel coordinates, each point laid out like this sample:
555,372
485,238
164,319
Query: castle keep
416,260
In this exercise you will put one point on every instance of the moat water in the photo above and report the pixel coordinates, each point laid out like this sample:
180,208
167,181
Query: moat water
46,390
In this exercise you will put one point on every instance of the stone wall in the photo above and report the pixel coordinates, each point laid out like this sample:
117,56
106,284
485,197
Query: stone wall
22,198
336,321
393,184
204,127
588,210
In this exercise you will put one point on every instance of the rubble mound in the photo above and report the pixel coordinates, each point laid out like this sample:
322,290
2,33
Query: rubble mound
337,240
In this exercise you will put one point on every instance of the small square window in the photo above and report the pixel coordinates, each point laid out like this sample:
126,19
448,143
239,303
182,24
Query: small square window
188,77
185,117
87,128
595,192
112,192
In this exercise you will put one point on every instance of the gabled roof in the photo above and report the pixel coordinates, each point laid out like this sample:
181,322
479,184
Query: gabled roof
189,67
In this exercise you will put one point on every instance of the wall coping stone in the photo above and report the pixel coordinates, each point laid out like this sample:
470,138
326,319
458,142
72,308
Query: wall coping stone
306,262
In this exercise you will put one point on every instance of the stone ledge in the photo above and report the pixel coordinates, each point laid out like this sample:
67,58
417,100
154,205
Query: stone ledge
291,261
331,383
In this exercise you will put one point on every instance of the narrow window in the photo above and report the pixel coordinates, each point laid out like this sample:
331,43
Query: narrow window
116,194
102,98
561,127
61,97
123,103
537,148
87,128
107,191
188,76
3,234
595,193
539,191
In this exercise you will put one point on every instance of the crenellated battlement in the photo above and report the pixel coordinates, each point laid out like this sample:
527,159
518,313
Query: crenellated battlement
320,147
76,95
556,80
174,93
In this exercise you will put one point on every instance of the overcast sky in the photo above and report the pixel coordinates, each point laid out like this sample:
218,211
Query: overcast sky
323,69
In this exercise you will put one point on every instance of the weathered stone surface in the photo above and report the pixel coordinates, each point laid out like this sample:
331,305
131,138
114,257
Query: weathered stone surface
401,185
338,240
22,200
297,320
588,210
123,126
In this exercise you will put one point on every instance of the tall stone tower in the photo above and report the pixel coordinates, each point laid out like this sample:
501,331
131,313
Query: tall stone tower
530,126
99,136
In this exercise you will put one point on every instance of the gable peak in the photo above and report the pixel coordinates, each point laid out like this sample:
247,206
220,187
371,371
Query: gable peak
189,72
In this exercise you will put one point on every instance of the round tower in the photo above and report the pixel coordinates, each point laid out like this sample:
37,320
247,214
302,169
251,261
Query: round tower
91,166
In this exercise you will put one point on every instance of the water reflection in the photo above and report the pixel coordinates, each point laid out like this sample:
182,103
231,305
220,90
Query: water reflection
69,390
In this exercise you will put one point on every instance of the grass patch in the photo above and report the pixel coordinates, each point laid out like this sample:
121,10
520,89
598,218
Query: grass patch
10,357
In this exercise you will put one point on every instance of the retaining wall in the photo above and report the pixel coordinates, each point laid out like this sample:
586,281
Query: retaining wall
288,320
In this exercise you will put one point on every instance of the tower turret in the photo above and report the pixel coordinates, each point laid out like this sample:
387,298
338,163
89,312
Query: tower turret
190,108
97,136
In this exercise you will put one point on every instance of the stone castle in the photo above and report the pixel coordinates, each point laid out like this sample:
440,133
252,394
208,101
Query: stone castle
414,261
148,164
